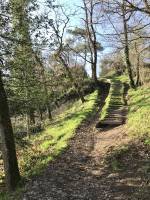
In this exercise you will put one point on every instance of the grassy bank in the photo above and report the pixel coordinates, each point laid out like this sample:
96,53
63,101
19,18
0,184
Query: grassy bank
45,146
131,160
34,154
138,118
138,123
134,157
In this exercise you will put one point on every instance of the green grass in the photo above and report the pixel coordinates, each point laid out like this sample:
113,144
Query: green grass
123,78
138,118
138,122
104,111
114,97
13,196
45,146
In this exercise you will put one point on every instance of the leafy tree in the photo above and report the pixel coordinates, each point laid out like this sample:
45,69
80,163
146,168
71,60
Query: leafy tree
12,175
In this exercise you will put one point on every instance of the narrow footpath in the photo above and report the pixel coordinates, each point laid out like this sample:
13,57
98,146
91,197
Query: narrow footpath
82,173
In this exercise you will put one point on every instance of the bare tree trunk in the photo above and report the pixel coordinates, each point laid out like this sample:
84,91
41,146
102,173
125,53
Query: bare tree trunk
94,75
92,40
49,112
38,60
28,124
57,103
126,50
8,144
94,43
41,114
85,59
138,72
72,79
32,116
128,64
138,82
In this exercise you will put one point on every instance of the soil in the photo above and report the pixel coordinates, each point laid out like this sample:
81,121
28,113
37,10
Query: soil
85,171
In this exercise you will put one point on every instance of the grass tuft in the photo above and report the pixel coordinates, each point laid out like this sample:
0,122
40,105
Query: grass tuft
43,147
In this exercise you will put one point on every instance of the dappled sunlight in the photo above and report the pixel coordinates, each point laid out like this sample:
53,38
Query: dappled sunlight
49,143
139,112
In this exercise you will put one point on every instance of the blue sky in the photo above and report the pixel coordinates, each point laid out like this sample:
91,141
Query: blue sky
76,21
70,7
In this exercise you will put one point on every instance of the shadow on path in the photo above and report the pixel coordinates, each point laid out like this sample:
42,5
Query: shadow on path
91,169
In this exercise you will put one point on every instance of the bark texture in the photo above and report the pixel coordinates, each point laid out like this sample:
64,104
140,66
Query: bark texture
126,49
8,144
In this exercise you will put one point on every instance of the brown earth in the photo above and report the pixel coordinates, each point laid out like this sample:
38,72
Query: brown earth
92,168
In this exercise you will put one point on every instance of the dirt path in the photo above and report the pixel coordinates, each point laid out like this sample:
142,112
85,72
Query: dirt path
81,173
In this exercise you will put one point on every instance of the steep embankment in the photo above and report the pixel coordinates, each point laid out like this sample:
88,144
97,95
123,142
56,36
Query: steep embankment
139,112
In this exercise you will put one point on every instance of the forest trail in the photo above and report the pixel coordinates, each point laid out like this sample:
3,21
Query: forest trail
81,172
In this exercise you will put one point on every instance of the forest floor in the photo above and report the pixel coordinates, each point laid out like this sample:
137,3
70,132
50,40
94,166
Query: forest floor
97,165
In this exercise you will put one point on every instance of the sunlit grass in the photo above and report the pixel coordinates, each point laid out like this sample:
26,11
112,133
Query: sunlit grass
104,111
44,146
138,123
138,119
123,78
115,96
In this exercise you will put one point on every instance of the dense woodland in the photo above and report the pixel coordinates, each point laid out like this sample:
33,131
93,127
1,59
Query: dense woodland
51,54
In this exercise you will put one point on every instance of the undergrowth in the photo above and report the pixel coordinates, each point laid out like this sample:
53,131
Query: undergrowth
43,147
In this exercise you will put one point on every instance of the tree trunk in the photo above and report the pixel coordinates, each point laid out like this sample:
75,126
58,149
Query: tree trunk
138,72
56,103
79,92
12,175
28,124
32,117
38,60
94,45
49,112
41,114
72,79
92,40
128,64
126,50
138,83
94,75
